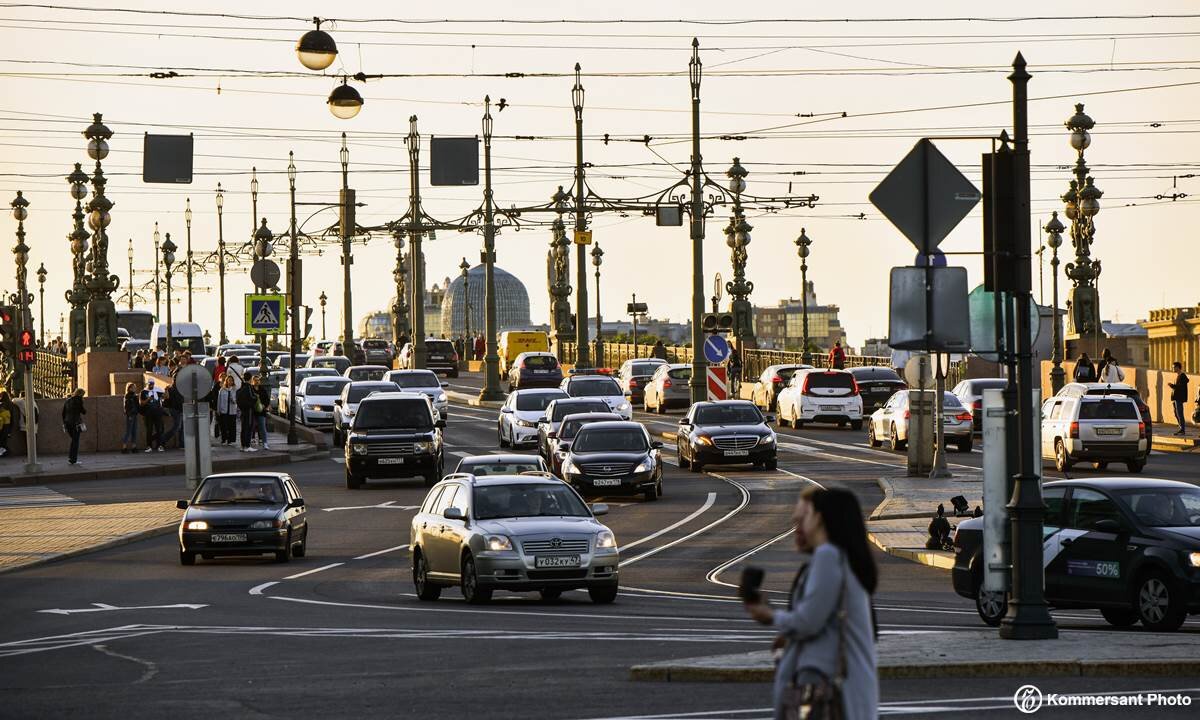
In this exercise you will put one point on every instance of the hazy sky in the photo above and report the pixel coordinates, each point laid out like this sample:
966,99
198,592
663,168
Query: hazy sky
895,81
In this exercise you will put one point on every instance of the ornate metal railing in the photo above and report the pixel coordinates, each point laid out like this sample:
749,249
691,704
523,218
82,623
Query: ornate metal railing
617,353
53,375
755,361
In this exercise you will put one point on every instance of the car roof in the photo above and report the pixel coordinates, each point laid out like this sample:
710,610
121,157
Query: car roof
1120,483
707,403
265,473
591,416
509,458
396,395
871,369
366,367
537,391
512,480
370,383
617,425
590,378
340,378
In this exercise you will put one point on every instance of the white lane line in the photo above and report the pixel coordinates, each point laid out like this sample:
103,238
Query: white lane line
714,575
745,501
36,496
314,570
712,498
258,589
382,552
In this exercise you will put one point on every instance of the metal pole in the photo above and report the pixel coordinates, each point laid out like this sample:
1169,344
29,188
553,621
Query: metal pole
1057,374
294,271
221,258
582,359
130,273
21,253
261,254
597,254
167,259
939,449
698,383
187,217
466,299
635,332
157,282
1028,617
347,258
491,376
416,258
324,299
803,242
42,304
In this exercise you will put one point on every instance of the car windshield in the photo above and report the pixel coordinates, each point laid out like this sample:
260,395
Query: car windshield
563,409
302,373
535,401
875,374
1107,410
728,415
642,369
439,346
499,468
340,363
324,387
406,414
421,379
978,386
594,387
358,392
592,439
571,428
258,490
1164,507
532,500
540,362
681,373
1124,392
367,373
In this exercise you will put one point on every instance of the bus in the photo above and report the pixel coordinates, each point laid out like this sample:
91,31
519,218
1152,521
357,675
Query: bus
136,322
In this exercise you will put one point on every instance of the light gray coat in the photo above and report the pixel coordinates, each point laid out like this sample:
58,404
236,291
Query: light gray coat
811,628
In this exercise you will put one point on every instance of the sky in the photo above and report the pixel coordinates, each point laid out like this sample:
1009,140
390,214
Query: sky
828,108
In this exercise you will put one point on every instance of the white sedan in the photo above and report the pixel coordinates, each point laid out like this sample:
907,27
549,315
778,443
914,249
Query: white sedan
314,399
519,416
891,422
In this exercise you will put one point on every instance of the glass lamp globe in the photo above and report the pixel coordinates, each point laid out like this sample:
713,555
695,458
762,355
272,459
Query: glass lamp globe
316,50
97,148
344,102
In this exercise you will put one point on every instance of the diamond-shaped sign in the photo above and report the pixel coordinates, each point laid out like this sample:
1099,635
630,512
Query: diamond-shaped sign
925,196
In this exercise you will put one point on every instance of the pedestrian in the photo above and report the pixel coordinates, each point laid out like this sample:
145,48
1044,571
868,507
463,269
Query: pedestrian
234,368
132,410
151,402
480,347
735,372
161,368
460,347
174,406
72,417
227,411
837,356
827,634
1111,372
245,398
262,400
1179,395
659,350
8,420
1085,371
219,370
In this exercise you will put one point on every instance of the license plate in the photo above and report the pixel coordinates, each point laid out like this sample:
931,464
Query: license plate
556,561
831,407
606,482
229,537
736,453
391,461
1109,431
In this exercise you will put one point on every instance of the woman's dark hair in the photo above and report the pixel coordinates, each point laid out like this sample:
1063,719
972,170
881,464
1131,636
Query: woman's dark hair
842,515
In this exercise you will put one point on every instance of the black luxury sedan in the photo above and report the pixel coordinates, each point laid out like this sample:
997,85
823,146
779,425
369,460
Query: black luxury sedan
876,385
244,514
614,458
1128,547
725,432
395,435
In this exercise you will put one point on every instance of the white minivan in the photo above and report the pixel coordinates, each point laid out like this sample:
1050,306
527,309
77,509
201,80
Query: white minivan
184,336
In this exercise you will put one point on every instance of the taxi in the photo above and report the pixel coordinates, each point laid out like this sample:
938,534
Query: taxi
1128,547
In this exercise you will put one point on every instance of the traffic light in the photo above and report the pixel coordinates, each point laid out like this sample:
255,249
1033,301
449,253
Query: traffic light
717,322
307,325
8,329
26,347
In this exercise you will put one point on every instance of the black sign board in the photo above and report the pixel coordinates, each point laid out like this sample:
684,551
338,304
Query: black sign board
454,161
167,158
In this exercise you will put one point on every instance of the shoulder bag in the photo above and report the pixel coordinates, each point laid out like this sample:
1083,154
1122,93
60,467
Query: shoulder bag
824,697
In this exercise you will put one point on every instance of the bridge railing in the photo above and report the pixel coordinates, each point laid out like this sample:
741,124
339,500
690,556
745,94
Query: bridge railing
754,361
53,375
614,354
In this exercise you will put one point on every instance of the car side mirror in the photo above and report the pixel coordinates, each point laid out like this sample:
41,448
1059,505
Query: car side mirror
445,384
600,509
685,421
298,502
506,410
440,423
768,418
656,444
453,513
551,435
1108,525
181,504
564,448
338,402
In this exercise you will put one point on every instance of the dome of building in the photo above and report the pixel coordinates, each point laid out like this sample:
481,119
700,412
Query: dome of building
512,302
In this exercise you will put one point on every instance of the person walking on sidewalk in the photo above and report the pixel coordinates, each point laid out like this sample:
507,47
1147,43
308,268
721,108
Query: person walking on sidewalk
174,407
227,411
837,356
245,403
1179,395
1085,371
827,634
132,410
8,420
72,417
262,400
151,403
1112,372
234,368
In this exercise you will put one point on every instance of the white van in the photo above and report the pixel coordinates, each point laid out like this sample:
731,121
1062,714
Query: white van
184,336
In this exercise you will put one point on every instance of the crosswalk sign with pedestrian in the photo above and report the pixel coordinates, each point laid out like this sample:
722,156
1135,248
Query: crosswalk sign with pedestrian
266,314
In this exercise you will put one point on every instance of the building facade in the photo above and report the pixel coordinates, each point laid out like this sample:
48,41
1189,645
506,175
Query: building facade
1173,334
512,303
782,327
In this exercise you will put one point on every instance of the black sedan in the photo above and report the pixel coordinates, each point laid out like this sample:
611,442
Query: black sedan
726,432
614,458
876,385
244,514
1127,547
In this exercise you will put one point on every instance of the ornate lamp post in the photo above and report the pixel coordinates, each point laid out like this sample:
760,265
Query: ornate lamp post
347,231
129,257
399,276
1082,203
20,211
1054,230
187,220
101,313
581,334
262,248
77,296
737,237
802,250
157,281
465,268
221,258
294,290
168,259
41,273
560,290
597,260
324,299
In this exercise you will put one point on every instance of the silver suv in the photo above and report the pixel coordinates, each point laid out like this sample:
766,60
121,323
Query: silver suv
523,533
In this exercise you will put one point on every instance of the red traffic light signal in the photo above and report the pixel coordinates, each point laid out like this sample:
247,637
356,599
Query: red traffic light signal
26,347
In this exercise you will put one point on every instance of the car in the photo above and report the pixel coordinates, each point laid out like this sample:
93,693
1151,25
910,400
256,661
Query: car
327,347
667,388
346,405
519,533
617,457
314,399
891,423
517,423
876,385
241,352
1093,428
560,440
440,356
970,394
301,373
821,395
338,362
556,411
635,374
365,372
1081,389
425,382
285,361
533,370
395,435
1127,547
223,349
244,514
377,351
511,343
601,387
483,465
774,378
274,355
725,432
132,346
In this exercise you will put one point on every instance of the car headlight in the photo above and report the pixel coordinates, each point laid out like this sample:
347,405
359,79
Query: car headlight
358,448
624,406
605,539
644,466
311,407
197,525
527,423
704,440
568,467
264,524
766,440
496,543
441,397
424,446
1194,559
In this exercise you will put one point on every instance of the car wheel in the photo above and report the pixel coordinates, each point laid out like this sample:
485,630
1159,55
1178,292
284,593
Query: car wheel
780,420
353,482
1135,466
841,424
658,487
991,606
301,549
337,437
426,590
500,436
682,462
697,467
602,594
282,556
550,594
650,495
964,446
660,408
1159,603
1120,617
856,424
772,464
471,590
187,558
1062,462
894,440
871,439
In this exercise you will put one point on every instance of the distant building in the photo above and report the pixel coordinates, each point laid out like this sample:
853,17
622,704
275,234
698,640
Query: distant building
376,325
671,333
512,303
782,327
876,347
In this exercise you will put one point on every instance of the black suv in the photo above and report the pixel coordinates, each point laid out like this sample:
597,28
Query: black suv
395,435
723,433
440,356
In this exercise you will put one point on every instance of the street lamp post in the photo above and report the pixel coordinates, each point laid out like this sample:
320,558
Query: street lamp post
221,259
20,211
129,256
168,259
560,289
597,260
491,359
294,294
1054,230
582,359
1082,202
41,273
347,231
187,220
157,282
324,299
698,382
465,268
803,251
101,313
262,248
737,237
77,296
399,276
416,257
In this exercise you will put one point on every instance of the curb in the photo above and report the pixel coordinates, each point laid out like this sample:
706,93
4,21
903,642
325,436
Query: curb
224,465
472,400
930,558
115,542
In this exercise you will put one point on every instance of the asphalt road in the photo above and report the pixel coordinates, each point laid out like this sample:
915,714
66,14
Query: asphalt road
339,633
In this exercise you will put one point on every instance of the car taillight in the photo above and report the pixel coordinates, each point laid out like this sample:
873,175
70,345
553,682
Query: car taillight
963,416
666,383
804,388
977,405
1141,431
633,383
907,414
1075,431
454,358
853,387
777,380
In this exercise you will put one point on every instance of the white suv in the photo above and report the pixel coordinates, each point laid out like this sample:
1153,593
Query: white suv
1096,428
816,395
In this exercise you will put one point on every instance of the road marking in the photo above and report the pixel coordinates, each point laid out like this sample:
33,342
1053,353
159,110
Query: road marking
340,459
101,607
706,528
151,668
383,505
85,637
382,552
712,498
314,570
258,589
713,575
36,496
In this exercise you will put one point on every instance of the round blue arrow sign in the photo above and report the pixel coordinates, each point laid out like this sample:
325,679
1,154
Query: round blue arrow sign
716,349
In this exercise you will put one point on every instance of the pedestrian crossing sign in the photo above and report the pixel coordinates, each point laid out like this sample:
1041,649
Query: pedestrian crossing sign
266,314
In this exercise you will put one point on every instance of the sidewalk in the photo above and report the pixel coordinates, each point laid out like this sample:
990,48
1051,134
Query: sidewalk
900,524
1165,439
970,653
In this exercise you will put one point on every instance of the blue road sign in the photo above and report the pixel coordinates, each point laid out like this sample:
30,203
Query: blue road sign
716,349
939,259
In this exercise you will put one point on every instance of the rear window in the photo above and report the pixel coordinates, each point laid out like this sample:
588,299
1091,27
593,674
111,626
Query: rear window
422,379
681,373
441,346
367,373
597,387
499,468
1123,392
541,362
535,401
358,392
1107,410
325,387
375,344
562,410
978,386
640,369
874,374
840,381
